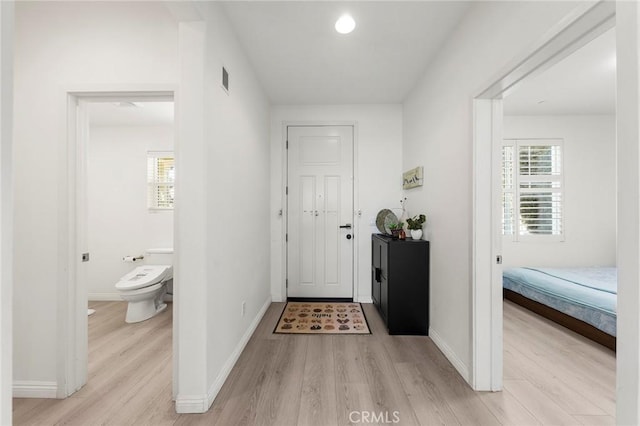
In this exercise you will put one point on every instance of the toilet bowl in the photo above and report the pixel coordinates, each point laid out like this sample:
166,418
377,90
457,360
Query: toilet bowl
144,289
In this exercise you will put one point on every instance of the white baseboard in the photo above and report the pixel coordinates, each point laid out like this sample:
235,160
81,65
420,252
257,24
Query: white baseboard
365,300
35,389
191,404
228,366
104,297
450,354
201,403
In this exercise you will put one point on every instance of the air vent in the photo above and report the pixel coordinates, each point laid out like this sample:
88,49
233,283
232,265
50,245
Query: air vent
225,79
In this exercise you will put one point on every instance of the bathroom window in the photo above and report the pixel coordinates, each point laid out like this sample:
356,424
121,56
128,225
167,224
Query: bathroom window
161,176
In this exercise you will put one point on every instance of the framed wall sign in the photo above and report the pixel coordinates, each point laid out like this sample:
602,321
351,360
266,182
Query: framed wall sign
412,178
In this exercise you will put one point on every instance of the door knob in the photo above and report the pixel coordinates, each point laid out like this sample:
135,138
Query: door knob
348,236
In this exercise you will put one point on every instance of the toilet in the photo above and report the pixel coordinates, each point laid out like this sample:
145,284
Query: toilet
145,287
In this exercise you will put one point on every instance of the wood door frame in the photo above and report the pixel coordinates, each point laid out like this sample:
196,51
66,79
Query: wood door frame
285,204
72,303
582,25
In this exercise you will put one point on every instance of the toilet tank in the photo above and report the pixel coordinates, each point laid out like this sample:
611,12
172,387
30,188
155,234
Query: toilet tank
159,256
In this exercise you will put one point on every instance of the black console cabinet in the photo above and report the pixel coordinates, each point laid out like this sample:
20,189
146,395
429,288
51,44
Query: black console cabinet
400,283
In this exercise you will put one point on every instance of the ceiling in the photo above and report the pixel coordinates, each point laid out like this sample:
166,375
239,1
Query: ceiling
301,59
130,114
582,83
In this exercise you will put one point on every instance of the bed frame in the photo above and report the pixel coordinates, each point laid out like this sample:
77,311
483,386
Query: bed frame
580,327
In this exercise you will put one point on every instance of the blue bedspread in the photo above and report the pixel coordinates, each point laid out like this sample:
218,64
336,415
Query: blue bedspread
589,294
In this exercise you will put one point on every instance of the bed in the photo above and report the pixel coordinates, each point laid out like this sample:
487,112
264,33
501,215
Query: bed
581,299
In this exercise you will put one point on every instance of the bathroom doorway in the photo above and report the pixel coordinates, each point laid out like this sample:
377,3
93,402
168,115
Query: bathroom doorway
116,211
130,178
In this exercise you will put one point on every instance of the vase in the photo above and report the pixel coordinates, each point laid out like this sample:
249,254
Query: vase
403,218
416,234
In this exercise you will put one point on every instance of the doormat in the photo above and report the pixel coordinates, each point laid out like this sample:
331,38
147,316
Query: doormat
322,318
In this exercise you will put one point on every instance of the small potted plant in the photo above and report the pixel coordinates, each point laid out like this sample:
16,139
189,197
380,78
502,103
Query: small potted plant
395,229
415,226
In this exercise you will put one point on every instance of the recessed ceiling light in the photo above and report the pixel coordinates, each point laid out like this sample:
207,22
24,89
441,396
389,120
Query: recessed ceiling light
345,24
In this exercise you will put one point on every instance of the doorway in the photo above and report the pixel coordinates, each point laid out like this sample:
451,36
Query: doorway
319,240
585,24
130,178
560,218
73,356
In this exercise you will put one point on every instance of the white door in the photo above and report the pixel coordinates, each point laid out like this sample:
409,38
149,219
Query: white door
320,211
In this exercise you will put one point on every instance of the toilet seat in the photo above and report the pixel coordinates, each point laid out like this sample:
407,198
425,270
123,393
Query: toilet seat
144,276
144,290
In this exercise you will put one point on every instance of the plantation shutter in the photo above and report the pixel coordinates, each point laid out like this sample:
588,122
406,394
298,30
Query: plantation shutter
508,189
160,180
535,191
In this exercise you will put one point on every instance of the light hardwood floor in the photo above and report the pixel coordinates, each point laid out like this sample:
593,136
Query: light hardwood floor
552,376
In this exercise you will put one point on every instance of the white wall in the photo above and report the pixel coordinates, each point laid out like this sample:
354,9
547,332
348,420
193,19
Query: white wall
64,46
6,208
119,222
238,200
190,342
628,156
590,191
228,214
222,192
438,134
378,140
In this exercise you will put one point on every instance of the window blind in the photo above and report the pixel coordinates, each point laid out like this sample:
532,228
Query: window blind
508,188
532,187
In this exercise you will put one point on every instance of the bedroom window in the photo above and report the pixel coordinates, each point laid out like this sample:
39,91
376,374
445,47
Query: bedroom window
532,189
160,180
